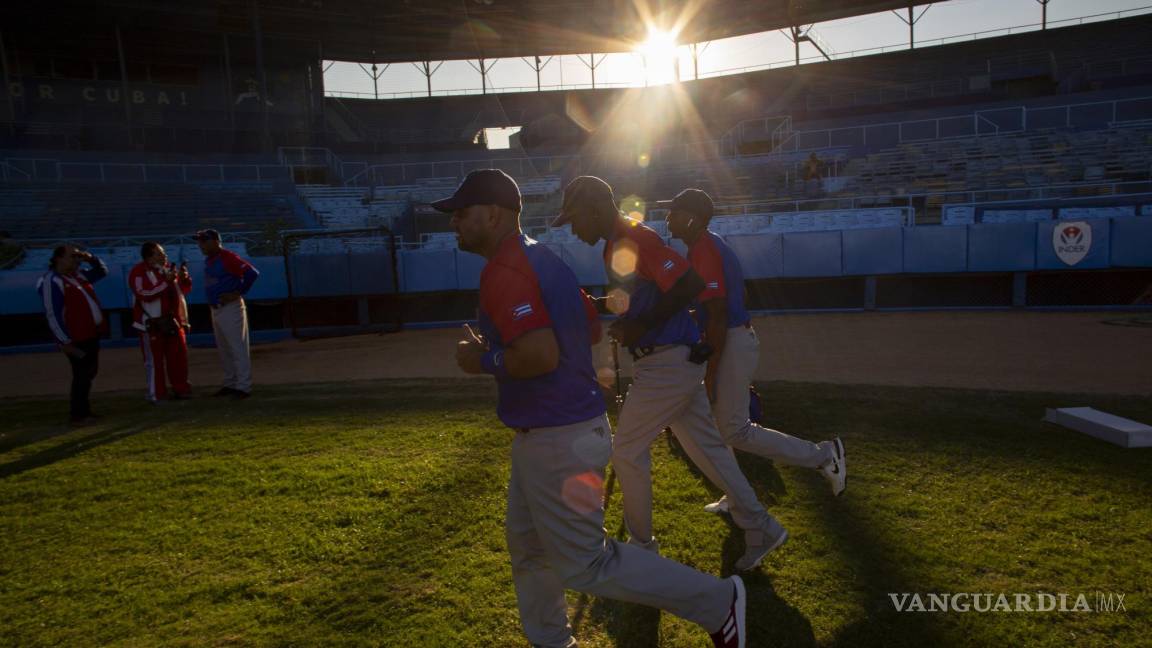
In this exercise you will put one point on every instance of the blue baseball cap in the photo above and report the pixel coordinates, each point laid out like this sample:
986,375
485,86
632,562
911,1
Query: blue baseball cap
483,187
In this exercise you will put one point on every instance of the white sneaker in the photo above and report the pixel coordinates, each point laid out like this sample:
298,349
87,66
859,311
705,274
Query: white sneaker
836,468
718,507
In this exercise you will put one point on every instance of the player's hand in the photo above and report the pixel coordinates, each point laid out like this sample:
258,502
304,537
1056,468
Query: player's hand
72,351
468,355
710,384
626,331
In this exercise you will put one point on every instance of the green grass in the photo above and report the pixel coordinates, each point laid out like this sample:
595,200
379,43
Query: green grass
371,513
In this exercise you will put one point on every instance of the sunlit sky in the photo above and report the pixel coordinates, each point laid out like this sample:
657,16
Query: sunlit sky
952,18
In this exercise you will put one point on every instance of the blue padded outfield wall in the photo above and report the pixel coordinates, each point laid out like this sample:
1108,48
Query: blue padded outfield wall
1124,242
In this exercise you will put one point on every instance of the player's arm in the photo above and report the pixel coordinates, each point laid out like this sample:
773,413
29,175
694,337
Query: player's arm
595,330
96,269
518,312
145,290
670,302
534,353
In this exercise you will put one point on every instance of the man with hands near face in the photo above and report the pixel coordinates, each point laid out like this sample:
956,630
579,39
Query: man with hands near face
76,320
658,285
536,332
160,314
736,350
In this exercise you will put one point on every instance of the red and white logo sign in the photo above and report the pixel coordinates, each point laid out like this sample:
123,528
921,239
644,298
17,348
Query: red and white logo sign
1072,241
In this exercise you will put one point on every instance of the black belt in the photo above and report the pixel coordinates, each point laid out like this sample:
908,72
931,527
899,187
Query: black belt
644,351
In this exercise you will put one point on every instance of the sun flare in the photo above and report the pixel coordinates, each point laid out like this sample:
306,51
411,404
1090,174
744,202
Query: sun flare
661,54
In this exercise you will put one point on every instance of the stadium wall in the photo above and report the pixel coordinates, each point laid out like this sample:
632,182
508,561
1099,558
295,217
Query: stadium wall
981,265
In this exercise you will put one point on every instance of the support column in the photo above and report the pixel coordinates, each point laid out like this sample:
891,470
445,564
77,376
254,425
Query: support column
123,86
258,35
592,64
911,21
537,66
229,93
484,68
427,70
376,72
321,119
1043,14
1019,289
7,86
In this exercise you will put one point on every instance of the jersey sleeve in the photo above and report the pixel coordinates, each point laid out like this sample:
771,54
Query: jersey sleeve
513,302
658,262
233,264
708,263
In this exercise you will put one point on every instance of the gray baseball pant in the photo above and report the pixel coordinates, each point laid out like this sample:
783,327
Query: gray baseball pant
668,391
230,325
737,366
556,537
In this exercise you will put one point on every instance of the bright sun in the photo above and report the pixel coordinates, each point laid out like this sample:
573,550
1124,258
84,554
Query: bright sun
660,54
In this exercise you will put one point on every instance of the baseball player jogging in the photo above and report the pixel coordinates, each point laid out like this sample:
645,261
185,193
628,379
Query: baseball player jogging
668,388
736,350
536,331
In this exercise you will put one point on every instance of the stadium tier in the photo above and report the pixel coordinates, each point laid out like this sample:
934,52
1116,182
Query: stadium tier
100,211
840,169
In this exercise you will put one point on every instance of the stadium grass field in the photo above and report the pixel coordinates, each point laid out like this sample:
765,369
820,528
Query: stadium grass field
371,513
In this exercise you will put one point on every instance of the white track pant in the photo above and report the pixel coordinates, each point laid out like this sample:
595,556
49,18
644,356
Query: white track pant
556,537
737,366
668,391
230,324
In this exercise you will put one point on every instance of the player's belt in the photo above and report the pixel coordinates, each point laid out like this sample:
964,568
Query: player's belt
645,351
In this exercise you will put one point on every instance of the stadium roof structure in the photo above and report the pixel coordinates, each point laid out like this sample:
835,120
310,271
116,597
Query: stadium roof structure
434,30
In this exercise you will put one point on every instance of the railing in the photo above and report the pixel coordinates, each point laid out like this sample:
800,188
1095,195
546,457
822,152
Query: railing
935,42
52,170
1065,192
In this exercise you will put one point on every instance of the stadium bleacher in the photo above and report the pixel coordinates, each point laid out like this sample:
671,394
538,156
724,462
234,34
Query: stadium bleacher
106,210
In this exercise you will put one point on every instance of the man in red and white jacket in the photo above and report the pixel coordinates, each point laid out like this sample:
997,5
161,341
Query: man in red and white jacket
160,314
75,319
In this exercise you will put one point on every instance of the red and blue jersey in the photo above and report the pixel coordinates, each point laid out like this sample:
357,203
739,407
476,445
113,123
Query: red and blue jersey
723,277
226,272
638,261
525,287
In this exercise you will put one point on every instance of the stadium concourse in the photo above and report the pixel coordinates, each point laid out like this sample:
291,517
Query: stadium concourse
1083,352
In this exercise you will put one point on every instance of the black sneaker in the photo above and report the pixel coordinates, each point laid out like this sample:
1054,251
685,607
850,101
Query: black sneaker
239,395
225,391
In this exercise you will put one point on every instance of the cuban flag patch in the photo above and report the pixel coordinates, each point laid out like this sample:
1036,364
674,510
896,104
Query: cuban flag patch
521,311
668,265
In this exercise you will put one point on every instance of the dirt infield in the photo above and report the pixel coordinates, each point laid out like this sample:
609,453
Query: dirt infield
1025,351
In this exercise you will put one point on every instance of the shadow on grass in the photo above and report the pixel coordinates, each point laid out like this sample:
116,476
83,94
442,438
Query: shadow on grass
71,448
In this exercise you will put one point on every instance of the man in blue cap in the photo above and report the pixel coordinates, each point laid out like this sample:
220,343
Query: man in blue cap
654,287
728,330
536,332
227,278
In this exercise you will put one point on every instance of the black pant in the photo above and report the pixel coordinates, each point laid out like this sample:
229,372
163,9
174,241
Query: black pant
83,372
